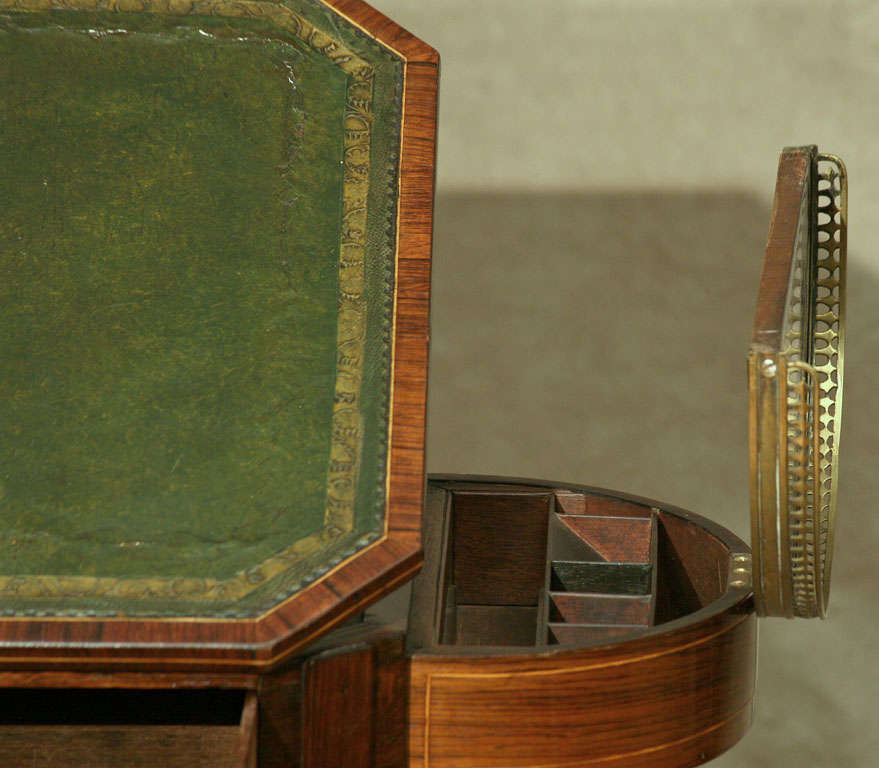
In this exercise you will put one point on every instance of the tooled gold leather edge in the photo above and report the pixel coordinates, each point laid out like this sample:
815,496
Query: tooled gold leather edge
351,334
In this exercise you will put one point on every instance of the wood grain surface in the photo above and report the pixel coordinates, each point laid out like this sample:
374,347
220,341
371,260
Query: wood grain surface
354,703
137,746
339,695
675,699
499,548
794,173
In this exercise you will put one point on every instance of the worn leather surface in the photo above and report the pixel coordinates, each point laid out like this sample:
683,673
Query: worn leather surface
170,231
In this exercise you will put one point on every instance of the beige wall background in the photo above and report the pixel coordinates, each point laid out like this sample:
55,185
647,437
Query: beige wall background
604,191
651,94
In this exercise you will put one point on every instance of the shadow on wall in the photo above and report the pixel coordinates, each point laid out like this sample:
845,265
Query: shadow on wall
597,338
601,338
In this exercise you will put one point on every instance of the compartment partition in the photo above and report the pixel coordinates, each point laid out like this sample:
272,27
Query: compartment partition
600,577
601,571
614,609
485,561
509,565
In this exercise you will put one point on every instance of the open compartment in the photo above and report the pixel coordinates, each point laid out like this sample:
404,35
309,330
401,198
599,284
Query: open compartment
594,656
516,565
486,556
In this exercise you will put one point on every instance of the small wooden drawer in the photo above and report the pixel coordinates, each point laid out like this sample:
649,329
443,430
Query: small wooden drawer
112,728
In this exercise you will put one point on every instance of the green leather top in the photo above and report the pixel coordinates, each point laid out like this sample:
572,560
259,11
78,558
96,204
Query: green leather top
196,281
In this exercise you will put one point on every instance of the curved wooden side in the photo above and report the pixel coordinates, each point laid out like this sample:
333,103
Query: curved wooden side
670,700
672,692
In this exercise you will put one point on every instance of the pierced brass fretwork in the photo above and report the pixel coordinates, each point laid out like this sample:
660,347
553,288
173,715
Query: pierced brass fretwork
795,381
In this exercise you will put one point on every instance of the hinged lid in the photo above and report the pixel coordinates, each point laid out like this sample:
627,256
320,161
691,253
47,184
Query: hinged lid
215,223
795,369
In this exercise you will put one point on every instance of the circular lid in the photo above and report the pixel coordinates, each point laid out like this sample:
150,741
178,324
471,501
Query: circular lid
795,383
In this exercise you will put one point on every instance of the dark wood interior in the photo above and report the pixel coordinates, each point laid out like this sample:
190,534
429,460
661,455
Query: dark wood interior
515,566
120,707
496,565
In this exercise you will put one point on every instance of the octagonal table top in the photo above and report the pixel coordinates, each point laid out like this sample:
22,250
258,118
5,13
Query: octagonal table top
214,245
